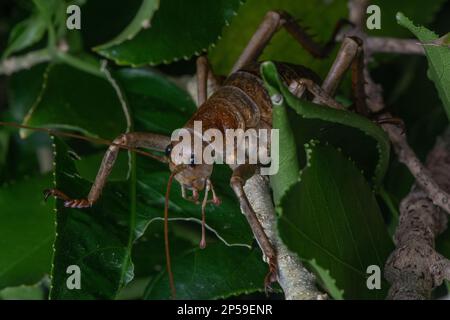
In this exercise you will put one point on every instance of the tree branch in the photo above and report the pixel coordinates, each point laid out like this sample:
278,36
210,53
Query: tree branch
414,268
295,280
424,179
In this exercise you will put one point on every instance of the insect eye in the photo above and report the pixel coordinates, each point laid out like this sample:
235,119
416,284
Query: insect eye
168,150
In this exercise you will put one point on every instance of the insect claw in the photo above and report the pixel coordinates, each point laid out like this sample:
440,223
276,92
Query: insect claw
78,203
202,243
55,193
47,194
216,201
271,276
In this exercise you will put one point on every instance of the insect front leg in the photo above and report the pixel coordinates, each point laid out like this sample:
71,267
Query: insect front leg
350,56
320,96
136,140
202,80
240,175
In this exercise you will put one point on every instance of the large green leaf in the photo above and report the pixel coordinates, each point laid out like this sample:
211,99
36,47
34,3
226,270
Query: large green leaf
141,20
438,59
318,16
96,15
179,29
158,105
216,272
72,99
331,216
27,232
96,240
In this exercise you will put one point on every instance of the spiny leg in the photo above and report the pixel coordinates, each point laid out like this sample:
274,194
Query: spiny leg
136,140
300,34
344,58
271,23
320,96
205,78
202,80
358,80
350,56
240,175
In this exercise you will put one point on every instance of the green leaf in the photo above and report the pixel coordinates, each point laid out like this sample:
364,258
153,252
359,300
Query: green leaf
72,99
97,240
22,98
47,7
142,20
438,59
148,251
96,15
25,34
157,104
331,216
341,120
328,281
178,30
216,272
288,157
27,232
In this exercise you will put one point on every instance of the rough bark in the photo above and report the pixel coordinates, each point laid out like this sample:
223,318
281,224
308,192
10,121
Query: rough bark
414,269
295,280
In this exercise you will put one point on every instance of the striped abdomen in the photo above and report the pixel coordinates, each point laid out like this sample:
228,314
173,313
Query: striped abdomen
242,101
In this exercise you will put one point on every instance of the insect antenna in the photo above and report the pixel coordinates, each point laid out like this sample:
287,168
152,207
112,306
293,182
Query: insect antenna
204,203
77,136
166,230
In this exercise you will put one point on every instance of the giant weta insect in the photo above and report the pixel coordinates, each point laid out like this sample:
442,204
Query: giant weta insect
241,101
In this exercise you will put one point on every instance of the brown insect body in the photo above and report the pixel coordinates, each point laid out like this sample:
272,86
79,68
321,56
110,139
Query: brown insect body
242,102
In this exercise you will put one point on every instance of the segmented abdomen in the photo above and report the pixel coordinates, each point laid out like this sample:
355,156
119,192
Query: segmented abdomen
242,101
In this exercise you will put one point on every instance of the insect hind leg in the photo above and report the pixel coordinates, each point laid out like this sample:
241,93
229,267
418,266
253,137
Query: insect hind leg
272,22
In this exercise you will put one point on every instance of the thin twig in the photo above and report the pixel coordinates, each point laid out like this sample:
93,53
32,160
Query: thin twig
16,64
423,177
394,45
